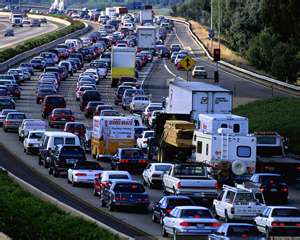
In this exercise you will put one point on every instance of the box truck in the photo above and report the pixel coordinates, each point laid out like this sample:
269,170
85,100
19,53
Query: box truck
110,12
146,37
111,133
196,97
146,16
122,64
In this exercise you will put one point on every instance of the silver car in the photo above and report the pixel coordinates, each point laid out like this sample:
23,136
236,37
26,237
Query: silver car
13,121
3,114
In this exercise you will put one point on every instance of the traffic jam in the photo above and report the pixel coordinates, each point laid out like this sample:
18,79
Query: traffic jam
89,121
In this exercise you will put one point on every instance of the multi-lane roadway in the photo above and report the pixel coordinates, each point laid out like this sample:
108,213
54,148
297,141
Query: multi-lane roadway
155,78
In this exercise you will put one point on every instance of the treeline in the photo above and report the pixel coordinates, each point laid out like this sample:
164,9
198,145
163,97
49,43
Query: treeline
266,32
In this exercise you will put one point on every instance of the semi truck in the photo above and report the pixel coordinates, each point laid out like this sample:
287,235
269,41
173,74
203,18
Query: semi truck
198,98
110,133
146,37
146,16
122,64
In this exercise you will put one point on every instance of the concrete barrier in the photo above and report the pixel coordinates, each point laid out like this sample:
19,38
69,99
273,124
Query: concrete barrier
238,69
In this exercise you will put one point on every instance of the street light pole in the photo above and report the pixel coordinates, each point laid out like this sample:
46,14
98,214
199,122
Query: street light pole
219,27
211,23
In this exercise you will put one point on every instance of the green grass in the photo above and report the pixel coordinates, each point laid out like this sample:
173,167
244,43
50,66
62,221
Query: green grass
280,114
162,11
25,217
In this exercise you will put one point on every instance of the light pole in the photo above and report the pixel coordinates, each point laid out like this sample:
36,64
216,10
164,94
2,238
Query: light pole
219,24
211,24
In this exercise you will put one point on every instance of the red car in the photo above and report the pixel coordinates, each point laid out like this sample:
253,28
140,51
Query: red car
59,116
50,102
77,128
90,108
99,109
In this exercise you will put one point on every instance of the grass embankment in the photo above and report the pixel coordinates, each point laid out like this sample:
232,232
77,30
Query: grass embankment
25,217
280,114
40,40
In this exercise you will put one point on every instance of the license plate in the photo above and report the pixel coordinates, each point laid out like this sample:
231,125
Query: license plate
63,119
200,225
273,190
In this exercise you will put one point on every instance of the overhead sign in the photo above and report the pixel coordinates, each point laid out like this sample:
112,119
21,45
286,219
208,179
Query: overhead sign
187,63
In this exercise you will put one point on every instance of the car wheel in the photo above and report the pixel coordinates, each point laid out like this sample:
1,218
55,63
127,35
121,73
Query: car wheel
24,150
55,172
102,203
111,207
69,182
153,218
164,232
5,130
74,184
40,161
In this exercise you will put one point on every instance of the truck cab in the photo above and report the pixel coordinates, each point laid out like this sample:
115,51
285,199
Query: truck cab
16,20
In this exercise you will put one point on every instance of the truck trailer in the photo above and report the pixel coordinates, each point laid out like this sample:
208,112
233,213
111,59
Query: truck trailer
146,37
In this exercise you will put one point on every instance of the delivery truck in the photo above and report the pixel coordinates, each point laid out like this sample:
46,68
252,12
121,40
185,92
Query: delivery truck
111,133
197,97
110,12
122,64
146,16
147,37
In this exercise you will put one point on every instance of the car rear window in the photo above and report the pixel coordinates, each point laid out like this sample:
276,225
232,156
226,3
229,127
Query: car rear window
62,111
118,176
179,202
16,116
286,212
36,135
195,213
5,100
243,231
58,141
129,188
132,154
78,152
163,168
55,100
88,166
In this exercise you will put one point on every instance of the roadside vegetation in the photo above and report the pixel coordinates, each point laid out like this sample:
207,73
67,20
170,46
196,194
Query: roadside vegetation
266,32
280,114
40,40
25,217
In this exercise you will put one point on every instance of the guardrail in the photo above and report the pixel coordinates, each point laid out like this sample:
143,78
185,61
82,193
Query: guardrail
4,66
238,69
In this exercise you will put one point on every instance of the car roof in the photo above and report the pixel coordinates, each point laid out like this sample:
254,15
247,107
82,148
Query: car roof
238,224
192,207
61,133
161,164
282,207
177,197
127,181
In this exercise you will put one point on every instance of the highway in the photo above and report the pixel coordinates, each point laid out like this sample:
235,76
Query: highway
157,84
23,33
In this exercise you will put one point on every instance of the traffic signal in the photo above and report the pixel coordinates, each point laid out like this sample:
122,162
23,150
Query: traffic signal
217,54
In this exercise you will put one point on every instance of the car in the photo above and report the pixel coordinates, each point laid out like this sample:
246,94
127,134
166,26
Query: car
43,92
9,32
199,71
125,193
13,121
3,114
110,113
149,109
138,131
152,118
84,173
129,159
7,103
142,142
90,108
153,174
279,221
27,66
166,204
272,186
173,56
63,158
50,102
189,221
100,108
236,231
35,23
81,90
119,93
30,125
59,116
106,178
76,128
15,91
175,47
87,96
38,63
139,103
177,60
43,20
31,142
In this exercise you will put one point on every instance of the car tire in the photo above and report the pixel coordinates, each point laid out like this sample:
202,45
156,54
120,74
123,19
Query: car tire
40,161
153,218
111,207
95,193
55,173
5,130
164,232
68,180
74,184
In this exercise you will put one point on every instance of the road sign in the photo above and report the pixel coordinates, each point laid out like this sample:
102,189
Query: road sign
187,63
211,34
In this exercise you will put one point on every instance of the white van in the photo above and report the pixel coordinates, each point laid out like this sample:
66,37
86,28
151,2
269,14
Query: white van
51,139
73,44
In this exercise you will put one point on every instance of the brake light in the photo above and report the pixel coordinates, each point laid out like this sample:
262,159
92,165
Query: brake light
285,189
298,168
297,224
7,122
179,185
216,224
124,161
105,184
145,141
80,174
120,198
185,224
277,224
168,210
72,118
217,185
262,189
142,161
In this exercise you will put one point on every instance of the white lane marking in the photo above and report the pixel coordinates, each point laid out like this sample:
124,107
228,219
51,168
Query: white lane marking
167,68
179,38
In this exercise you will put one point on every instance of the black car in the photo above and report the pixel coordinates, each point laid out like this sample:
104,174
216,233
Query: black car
272,186
125,193
87,96
7,103
166,204
129,159
64,157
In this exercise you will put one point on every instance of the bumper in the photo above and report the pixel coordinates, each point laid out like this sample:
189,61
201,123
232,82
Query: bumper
83,180
11,127
131,204
61,122
206,195
243,217
194,231
156,181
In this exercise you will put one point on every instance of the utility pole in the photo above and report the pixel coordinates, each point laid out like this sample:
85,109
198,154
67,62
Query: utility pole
219,24
211,24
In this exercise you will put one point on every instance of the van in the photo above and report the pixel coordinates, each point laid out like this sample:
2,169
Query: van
52,139
50,102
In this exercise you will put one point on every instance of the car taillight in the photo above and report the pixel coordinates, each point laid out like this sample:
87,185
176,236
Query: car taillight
120,199
216,224
142,161
72,118
7,122
217,185
297,224
262,189
277,224
179,185
168,210
298,168
105,184
145,141
184,224
284,189
53,118
80,174
124,161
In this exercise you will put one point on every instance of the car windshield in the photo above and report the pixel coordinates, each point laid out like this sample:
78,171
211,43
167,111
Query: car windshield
195,213
55,100
76,126
270,179
118,176
62,112
16,116
94,104
129,188
36,135
163,168
189,170
151,109
245,198
88,166
243,231
132,154
149,134
286,212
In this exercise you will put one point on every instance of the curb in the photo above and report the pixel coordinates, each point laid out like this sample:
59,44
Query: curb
231,66
44,196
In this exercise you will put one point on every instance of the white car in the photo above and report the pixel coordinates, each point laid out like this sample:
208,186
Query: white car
139,103
129,25
32,141
153,173
153,116
284,220
189,220
84,172
29,125
142,142
149,109
199,71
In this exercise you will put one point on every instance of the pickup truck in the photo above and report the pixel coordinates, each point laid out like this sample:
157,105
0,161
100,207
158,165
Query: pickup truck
191,180
238,203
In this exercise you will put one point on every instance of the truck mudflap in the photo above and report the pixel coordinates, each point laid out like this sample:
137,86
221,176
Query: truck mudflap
99,146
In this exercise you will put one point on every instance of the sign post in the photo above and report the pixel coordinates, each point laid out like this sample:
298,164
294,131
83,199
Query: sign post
187,63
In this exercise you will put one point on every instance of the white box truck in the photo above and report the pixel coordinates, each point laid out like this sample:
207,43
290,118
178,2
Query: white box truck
146,16
195,98
111,133
122,64
110,12
146,37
